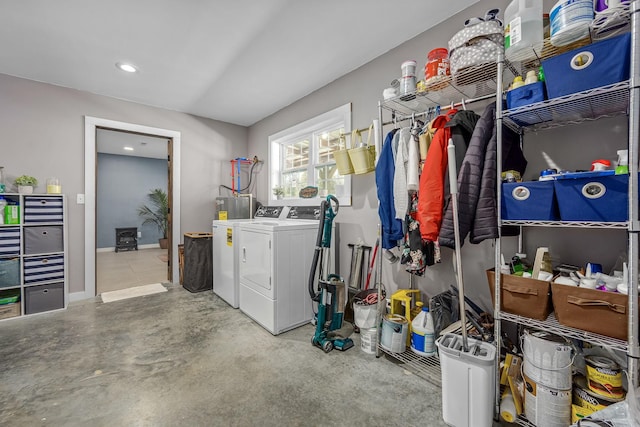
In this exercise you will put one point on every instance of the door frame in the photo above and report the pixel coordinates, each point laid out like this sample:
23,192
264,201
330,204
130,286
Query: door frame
91,124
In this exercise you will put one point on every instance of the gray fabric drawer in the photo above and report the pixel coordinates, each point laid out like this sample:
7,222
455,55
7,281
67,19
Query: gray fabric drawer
43,239
44,298
9,272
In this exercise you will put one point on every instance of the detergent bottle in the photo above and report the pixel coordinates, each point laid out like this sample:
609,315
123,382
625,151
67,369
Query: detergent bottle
522,27
423,334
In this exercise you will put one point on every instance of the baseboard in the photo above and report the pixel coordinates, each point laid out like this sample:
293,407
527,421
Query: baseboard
79,296
147,246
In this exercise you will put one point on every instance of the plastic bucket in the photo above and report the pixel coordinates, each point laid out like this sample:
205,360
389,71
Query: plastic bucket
369,340
363,159
343,161
365,315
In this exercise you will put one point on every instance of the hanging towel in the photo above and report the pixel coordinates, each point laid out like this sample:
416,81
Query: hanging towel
400,194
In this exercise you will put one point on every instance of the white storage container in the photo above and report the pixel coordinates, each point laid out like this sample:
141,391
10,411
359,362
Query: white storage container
468,381
522,26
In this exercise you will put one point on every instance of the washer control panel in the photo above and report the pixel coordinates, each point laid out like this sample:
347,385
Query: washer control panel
269,212
304,212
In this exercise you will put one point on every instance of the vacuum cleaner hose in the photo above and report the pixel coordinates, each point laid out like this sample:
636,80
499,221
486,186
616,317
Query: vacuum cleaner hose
316,254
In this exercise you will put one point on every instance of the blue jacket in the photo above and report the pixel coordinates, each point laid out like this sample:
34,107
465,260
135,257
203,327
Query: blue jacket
385,169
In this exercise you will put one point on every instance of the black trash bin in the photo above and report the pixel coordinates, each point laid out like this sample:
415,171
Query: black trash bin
198,262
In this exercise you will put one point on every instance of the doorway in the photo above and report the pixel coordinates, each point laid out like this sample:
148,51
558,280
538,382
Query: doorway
92,126
132,175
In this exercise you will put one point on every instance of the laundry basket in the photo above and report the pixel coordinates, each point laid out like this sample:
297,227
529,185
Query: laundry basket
198,262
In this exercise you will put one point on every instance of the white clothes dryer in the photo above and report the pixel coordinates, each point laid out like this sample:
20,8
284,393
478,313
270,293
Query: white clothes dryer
275,261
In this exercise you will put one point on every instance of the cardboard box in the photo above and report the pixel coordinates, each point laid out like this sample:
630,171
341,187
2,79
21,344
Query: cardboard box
9,310
601,312
522,296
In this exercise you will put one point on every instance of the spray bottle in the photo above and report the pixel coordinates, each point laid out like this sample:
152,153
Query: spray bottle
623,162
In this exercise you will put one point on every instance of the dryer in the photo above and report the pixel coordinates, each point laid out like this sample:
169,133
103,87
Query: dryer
275,261
225,252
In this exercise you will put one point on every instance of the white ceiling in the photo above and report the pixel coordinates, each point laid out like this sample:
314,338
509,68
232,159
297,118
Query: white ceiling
232,60
114,142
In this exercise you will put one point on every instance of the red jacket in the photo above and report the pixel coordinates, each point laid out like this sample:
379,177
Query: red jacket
431,192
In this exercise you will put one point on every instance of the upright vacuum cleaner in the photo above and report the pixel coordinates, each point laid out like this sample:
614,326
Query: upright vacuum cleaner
332,295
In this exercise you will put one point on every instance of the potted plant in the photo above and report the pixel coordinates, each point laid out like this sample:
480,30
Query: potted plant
25,184
278,191
157,213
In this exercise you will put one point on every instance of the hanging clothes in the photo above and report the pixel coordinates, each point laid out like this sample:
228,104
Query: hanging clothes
400,194
477,207
417,254
385,169
457,125
406,177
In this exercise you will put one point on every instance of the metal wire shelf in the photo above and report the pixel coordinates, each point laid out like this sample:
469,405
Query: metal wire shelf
468,84
552,325
427,368
569,224
521,420
605,101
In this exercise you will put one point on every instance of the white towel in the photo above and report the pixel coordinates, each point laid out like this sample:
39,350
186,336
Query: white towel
400,192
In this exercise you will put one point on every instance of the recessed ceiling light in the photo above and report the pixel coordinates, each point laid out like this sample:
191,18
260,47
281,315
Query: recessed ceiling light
126,67
128,148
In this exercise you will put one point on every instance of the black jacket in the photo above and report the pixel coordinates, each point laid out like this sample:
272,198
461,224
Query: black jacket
477,180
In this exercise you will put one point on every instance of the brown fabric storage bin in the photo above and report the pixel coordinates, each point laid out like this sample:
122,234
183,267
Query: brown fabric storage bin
522,296
601,312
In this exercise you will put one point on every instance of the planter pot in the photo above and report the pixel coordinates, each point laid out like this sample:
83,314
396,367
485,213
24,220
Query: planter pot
164,243
25,189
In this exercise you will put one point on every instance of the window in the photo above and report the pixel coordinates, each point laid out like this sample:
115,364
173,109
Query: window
302,156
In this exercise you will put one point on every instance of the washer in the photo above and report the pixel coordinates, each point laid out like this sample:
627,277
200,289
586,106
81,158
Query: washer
225,252
275,260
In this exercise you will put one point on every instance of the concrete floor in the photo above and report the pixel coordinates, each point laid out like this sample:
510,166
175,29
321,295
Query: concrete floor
183,359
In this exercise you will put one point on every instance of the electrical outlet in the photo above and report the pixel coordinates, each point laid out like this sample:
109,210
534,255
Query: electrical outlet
139,234
80,199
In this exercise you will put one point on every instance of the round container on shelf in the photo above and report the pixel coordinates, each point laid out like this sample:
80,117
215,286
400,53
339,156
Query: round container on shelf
437,65
570,20
394,333
409,68
53,186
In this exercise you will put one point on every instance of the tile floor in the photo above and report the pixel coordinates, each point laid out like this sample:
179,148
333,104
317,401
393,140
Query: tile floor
127,269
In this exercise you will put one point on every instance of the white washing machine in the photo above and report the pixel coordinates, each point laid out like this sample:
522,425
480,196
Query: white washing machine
275,261
225,252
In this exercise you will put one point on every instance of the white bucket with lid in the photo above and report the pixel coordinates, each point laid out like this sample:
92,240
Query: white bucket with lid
570,20
548,359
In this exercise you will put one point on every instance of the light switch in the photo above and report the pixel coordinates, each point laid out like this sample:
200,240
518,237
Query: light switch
80,199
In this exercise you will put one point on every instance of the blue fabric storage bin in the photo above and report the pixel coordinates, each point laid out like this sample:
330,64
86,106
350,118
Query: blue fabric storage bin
605,62
532,200
525,95
593,198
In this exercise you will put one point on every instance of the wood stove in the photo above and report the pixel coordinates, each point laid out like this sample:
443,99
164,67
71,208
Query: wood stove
126,239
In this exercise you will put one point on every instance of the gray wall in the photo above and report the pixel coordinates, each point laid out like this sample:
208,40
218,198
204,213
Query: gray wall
363,88
123,183
43,135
